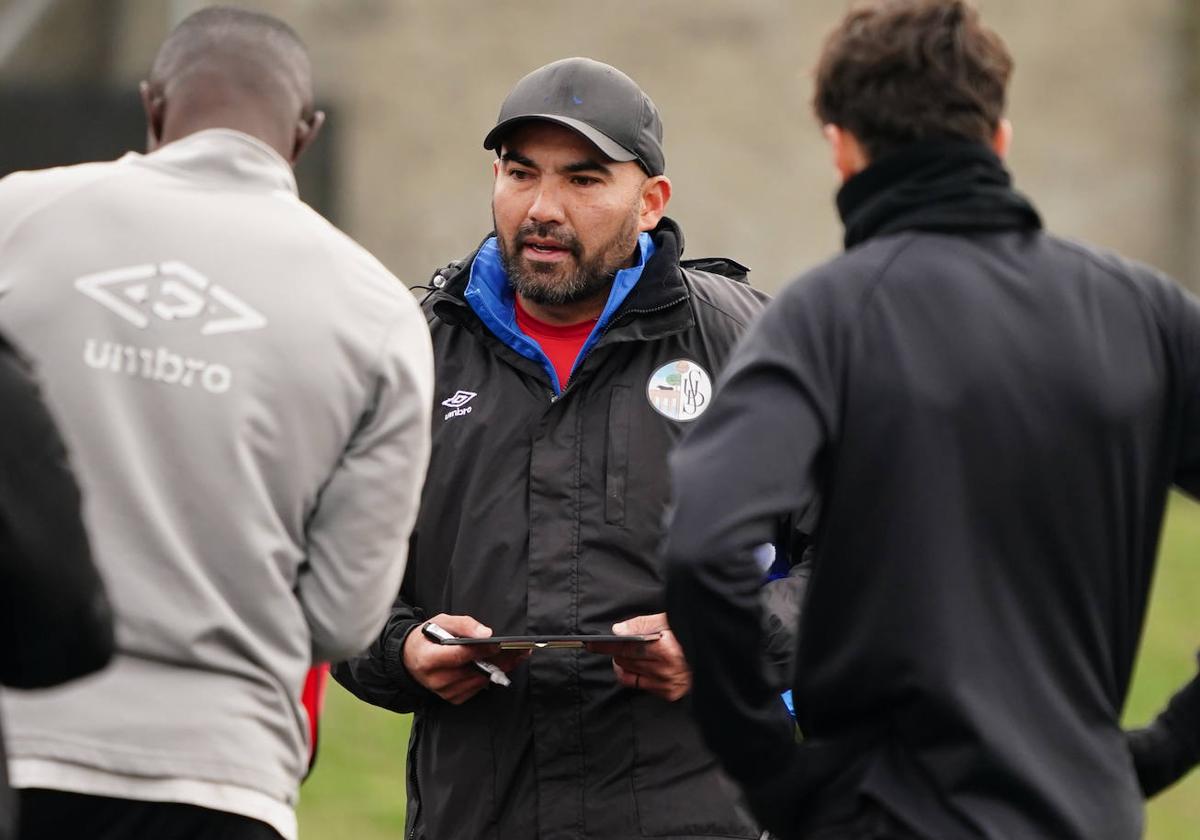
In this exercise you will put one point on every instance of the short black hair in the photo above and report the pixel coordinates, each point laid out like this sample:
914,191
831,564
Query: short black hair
895,72
213,27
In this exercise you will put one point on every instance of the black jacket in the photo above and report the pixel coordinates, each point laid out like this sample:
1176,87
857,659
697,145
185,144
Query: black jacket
543,515
54,616
988,419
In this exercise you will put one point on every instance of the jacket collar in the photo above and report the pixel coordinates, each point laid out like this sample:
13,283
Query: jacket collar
222,156
490,295
945,186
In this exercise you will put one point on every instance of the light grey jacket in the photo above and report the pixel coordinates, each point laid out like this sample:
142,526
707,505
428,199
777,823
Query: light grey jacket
246,395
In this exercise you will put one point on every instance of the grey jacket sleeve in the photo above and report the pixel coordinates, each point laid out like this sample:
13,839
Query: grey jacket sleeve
358,533
378,675
54,616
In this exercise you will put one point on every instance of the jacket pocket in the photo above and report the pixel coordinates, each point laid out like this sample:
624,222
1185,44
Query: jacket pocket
616,461
679,789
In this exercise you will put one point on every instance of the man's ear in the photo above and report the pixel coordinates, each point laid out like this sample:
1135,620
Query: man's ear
1002,139
306,132
656,194
154,104
849,156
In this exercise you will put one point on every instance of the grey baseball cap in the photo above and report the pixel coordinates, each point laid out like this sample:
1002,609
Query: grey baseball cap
596,100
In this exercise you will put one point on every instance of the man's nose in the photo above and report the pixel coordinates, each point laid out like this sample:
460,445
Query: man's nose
547,207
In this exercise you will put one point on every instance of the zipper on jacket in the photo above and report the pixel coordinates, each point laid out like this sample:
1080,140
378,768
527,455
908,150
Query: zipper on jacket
621,317
416,780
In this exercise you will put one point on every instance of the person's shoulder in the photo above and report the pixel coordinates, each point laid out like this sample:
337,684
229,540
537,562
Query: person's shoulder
57,177
1106,260
360,273
1165,297
721,288
25,193
845,279
448,282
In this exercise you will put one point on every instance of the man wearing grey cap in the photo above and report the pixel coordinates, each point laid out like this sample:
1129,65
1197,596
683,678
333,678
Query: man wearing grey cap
572,350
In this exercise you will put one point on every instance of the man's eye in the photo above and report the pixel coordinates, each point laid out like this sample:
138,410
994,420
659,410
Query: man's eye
518,174
584,181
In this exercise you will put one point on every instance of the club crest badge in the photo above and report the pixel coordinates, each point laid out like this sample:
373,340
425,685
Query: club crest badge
680,390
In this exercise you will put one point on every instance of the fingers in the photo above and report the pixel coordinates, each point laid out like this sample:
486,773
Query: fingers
658,667
447,670
636,626
459,691
466,627
463,626
670,687
664,653
641,624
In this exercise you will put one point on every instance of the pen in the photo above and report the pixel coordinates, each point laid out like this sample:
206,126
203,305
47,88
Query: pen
438,634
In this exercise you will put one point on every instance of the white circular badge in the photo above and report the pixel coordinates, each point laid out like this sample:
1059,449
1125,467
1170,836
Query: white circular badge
680,390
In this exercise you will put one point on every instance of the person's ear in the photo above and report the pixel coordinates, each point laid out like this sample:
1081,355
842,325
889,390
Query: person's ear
656,194
154,104
307,130
1002,139
849,156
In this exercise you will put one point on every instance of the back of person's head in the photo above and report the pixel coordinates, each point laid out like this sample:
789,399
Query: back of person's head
895,72
232,68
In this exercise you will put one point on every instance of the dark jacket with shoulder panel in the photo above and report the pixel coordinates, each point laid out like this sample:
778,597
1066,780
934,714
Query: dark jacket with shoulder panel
55,619
542,514
988,418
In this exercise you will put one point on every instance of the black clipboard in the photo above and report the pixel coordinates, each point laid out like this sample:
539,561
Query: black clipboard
555,641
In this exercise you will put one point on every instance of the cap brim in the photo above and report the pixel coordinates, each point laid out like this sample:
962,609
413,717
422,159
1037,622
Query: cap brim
611,148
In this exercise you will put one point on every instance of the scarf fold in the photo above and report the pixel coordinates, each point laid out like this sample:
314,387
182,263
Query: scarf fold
942,186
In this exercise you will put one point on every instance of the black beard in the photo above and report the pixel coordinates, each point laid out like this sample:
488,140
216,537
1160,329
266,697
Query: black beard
556,285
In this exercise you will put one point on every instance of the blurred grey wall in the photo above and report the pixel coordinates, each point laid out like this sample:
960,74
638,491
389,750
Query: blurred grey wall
1106,104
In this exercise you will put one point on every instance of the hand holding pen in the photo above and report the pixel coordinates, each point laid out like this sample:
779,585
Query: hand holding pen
436,633
453,672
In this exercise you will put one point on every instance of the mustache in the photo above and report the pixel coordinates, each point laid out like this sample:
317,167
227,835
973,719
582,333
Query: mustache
564,240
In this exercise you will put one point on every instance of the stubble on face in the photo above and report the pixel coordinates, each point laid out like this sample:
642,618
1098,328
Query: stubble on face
584,277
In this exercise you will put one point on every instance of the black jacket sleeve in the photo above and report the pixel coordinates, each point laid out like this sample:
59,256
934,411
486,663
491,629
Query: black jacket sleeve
54,616
378,675
782,600
1167,750
750,460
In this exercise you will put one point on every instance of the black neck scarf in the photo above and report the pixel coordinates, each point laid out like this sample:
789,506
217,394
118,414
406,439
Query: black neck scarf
945,186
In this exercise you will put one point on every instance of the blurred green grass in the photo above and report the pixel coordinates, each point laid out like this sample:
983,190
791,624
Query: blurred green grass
357,789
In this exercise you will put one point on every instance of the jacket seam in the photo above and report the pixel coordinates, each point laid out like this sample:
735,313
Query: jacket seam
1119,276
690,287
708,303
876,281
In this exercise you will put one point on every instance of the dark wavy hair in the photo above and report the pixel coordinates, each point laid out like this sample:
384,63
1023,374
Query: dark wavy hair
897,71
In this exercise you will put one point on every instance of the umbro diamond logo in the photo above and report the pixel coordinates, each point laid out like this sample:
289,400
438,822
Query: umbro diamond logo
458,404
459,399
170,291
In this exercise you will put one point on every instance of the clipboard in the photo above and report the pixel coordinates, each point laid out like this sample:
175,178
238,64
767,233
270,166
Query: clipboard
555,641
